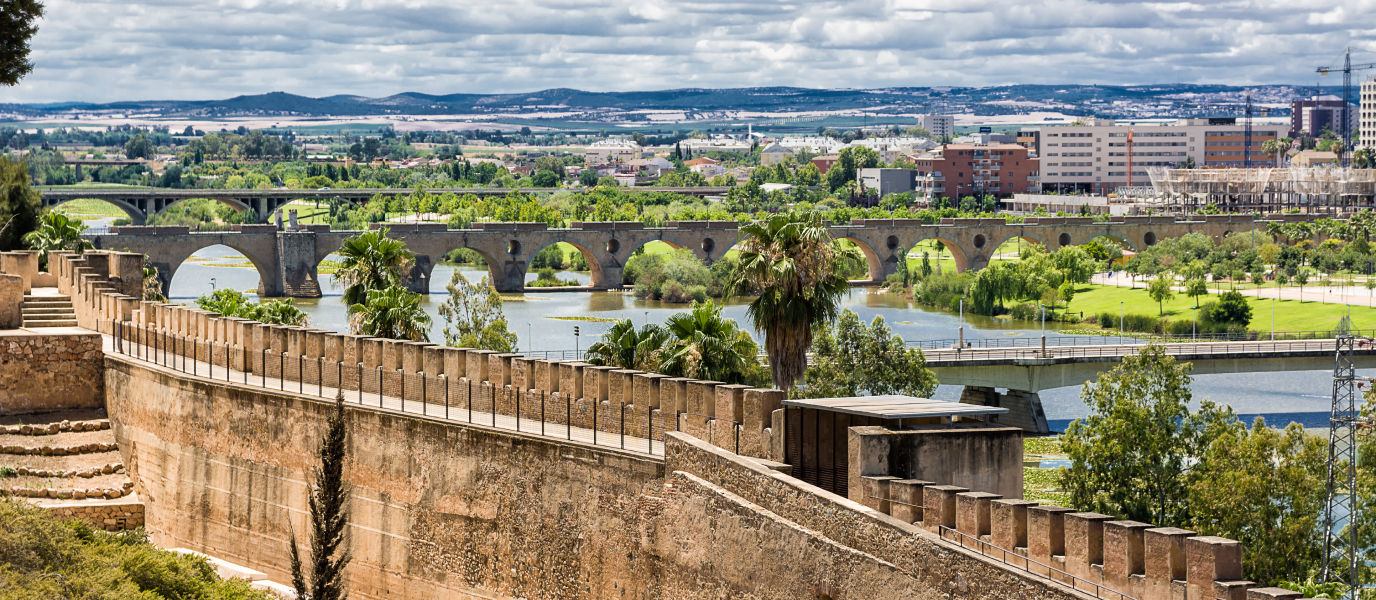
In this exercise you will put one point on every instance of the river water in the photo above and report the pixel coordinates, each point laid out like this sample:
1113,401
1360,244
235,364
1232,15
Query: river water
1281,397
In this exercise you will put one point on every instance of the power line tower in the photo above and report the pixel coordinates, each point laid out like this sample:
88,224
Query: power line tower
1341,550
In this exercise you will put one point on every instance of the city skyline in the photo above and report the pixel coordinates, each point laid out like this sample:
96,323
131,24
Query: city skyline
108,51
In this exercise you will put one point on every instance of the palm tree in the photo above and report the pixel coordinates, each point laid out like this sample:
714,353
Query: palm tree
793,260
371,261
706,346
392,313
622,346
57,231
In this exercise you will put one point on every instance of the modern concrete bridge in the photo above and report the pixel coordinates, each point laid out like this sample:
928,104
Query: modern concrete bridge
141,203
1026,371
287,260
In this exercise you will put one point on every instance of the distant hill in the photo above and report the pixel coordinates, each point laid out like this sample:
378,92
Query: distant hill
1071,98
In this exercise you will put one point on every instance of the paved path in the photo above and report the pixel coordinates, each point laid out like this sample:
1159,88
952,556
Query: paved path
1314,292
455,413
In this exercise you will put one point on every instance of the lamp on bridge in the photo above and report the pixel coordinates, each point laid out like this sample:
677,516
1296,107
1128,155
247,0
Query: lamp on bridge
960,343
1042,307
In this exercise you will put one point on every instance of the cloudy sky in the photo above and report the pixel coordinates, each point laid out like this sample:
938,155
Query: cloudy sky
101,51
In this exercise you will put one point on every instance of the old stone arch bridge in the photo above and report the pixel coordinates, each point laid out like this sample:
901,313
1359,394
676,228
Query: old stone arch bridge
287,260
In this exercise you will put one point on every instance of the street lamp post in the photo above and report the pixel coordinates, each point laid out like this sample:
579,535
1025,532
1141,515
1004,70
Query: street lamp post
961,343
1042,307
1273,319
1120,322
529,338
1194,318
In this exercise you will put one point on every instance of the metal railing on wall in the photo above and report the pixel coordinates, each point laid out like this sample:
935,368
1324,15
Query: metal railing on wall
436,396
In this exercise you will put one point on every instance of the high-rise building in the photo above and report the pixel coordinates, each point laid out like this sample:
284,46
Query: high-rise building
959,170
1366,126
1093,159
939,125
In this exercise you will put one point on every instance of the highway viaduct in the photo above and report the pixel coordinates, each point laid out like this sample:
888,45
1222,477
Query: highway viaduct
287,260
1026,371
141,203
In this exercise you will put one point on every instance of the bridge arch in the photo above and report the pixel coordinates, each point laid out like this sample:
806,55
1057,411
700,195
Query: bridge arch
167,269
595,267
136,214
493,266
958,254
874,264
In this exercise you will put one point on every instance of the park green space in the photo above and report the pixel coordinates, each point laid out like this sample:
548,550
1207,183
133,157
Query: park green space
1290,315
90,209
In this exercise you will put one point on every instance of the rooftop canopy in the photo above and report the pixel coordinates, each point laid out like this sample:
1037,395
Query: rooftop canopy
895,407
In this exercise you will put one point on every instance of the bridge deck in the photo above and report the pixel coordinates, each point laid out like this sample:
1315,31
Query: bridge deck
1031,356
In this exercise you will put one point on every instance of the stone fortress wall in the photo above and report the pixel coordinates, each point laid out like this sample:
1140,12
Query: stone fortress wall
471,511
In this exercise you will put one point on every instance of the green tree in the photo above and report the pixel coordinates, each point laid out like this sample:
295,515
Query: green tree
1067,293
393,313
1264,487
230,303
793,261
1131,456
474,312
853,359
1302,278
545,179
57,231
707,346
18,24
1231,308
329,508
138,146
1160,290
371,261
623,346
19,203
588,177
1195,288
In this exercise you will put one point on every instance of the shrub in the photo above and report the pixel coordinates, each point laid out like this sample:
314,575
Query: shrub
1025,312
653,275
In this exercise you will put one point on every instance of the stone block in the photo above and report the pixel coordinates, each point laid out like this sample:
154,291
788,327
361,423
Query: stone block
596,380
432,359
523,373
1123,553
499,368
1209,559
393,355
334,347
702,398
730,401
1045,535
1084,543
757,409
11,299
571,379
673,394
455,362
620,386
314,343
1164,550
905,496
876,492
372,352
1008,523
972,516
547,376
939,506
477,364
413,356
647,389
1272,593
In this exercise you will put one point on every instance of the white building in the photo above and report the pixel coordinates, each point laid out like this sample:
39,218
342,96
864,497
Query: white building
1092,158
812,144
697,147
1367,110
939,125
613,151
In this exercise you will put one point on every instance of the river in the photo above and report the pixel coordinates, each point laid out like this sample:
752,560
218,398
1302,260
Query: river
1280,397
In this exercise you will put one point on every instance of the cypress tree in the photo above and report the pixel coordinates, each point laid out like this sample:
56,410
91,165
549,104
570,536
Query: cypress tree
329,497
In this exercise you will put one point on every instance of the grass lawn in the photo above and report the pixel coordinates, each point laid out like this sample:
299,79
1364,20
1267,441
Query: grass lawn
90,208
1291,315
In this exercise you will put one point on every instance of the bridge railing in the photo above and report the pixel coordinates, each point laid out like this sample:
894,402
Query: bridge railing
1113,339
950,355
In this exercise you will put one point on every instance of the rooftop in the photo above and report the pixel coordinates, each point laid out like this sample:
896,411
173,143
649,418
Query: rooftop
895,407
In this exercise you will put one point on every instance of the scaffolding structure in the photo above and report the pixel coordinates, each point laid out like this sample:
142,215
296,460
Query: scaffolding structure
1316,190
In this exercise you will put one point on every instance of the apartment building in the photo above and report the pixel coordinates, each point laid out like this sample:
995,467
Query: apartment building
1092,158
774,154
1366,126
939,125
613,151
1312,115
959,170
698,147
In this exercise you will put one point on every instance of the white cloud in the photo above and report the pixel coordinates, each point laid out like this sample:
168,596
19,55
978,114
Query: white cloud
108,50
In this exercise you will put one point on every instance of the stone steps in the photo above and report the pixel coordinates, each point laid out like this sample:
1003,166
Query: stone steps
48,311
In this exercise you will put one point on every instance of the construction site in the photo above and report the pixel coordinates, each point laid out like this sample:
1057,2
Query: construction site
1310,190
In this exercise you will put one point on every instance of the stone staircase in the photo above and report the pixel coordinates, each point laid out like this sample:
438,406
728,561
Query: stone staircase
48,311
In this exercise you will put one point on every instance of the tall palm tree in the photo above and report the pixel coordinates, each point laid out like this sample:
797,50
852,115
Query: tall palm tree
793,260
371,261
392,313
57,231
622,346
706,346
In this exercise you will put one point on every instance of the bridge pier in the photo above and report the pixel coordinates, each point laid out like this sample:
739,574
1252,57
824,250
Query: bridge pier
1024,408
296,268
